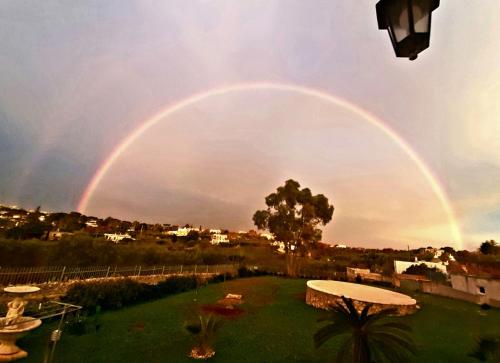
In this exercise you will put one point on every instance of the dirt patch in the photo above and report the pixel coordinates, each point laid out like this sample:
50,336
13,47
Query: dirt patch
255,291
137,327
300,296
222,311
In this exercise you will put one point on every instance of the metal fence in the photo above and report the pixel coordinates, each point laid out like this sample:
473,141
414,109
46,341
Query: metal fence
46,274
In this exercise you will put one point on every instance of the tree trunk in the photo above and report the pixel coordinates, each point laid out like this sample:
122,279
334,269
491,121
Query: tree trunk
291,264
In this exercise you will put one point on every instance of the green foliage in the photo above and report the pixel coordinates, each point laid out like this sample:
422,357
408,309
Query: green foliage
370,337
204,330
107,294
489,248
422,269
293,215
32,229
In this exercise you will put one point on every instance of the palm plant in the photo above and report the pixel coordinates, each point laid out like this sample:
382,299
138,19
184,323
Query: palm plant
371,338
204,331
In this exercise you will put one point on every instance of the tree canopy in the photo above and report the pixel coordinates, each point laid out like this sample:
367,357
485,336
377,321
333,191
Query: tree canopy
293,216
489,248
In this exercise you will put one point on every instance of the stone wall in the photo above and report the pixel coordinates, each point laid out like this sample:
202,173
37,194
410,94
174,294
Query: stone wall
323,300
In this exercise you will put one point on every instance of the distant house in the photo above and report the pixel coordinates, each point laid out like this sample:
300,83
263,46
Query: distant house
401,266
281,246
92,223
215,231
218,238
182,232
486,288
340,246
117,237
267,236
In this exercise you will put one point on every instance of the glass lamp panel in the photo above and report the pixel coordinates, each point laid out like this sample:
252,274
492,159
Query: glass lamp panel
421,11
399,19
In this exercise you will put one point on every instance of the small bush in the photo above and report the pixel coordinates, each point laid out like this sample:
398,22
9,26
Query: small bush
246,272
107,294
174,285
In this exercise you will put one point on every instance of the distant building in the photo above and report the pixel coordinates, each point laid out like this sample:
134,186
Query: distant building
92,223
218,238
281,246
182,232
401,266
216,231
117,237
340,246
267,236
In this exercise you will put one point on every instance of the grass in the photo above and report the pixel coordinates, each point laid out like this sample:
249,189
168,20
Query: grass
277,326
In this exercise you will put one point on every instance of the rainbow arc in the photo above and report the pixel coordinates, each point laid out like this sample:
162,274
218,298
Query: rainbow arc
244,87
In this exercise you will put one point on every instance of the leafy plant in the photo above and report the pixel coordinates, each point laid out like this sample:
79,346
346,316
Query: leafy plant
370,337
204,331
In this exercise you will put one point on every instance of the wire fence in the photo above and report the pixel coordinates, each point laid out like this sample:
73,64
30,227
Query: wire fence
59,274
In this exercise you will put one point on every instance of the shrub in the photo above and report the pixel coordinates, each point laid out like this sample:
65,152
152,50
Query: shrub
174,285
107,294
246,272
110,295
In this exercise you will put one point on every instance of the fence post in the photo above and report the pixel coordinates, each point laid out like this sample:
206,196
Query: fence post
163,270
207,268
62,274
216,269
139,273
107,273
181,269
195,266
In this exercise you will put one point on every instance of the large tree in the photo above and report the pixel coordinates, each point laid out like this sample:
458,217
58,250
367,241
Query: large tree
293,216
489,248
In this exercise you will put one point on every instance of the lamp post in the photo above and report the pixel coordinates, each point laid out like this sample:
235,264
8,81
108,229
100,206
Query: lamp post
408,23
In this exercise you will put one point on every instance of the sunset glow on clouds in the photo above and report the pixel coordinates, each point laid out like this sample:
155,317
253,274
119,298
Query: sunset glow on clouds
76,79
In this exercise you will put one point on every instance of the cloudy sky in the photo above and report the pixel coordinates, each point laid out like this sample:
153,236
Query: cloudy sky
76,78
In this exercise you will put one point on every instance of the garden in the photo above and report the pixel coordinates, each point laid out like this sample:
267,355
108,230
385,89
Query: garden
273,324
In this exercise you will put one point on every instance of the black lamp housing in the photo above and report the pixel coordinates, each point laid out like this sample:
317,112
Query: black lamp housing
408,23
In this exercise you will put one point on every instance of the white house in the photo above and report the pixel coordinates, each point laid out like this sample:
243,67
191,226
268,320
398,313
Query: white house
218,238
281,246
216,231
92,223
182,232
267,236
117,237
402,266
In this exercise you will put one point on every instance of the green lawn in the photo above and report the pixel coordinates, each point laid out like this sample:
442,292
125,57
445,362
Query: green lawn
277,326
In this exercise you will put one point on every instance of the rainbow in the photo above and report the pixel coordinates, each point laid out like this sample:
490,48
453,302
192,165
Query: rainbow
147,124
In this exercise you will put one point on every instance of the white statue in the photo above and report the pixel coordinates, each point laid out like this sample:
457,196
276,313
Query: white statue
15,312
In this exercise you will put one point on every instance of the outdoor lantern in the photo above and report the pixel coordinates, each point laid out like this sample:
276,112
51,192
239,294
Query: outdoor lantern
408,23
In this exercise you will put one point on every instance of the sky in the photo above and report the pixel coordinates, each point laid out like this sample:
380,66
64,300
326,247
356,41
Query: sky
77,78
